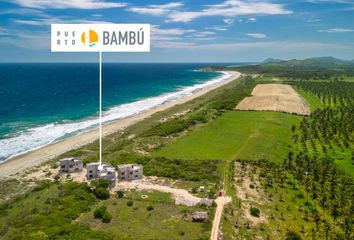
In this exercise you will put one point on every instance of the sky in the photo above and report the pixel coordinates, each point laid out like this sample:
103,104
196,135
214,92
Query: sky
187,30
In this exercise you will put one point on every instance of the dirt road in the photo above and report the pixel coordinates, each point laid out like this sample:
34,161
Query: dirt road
220,202
181,196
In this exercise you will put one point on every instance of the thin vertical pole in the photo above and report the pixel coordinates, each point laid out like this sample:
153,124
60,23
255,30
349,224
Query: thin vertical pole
100,90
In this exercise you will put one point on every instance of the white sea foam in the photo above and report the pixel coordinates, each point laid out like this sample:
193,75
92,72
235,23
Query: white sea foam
38,137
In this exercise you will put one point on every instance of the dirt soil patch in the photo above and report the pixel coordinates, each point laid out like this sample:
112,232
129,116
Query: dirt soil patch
275,97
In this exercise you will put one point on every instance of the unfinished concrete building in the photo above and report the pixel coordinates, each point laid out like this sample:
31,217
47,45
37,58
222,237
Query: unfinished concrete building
70,165
108,172
128,172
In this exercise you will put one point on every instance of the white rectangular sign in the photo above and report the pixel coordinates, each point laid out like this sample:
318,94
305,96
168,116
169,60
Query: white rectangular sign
100,37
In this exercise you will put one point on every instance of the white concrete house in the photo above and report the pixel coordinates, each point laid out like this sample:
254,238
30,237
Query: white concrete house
128,172
108,172
92,170
70,165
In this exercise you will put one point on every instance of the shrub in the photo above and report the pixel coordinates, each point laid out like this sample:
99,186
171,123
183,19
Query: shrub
107,217
291,235
100,211
255,212
56,178
120,194
150,208
42,185
300,196
101,183
102,193
130,203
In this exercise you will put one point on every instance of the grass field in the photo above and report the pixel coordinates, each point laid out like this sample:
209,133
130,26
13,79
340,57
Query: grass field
237,135
165,221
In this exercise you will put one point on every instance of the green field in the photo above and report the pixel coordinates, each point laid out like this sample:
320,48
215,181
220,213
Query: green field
237,135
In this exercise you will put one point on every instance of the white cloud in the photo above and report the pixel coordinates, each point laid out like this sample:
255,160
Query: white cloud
230,8
155,30
203,34
156,10
50,20
331,1
229,21
218,28
38,40
256,35
337,30
22,11
313,20
63,4
279,46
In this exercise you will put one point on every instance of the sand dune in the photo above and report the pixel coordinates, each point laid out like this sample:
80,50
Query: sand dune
275,97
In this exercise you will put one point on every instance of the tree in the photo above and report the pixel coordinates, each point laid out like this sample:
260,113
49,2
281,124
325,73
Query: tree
107,217
292,235
102,193
255,212
100,211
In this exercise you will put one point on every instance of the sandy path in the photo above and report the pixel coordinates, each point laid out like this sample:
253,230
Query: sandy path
41,155
220,202
275,97
181,196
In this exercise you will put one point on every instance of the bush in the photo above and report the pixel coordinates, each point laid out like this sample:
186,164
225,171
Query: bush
100,211
130,203
176,168
42,185
100,183
107,217
255,212
102,193
300,196
150,208
120,194
291,235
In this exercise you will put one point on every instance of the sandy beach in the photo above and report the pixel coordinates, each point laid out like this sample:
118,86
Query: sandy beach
37,157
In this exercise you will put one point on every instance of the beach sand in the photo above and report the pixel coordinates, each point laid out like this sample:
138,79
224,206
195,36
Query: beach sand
39,156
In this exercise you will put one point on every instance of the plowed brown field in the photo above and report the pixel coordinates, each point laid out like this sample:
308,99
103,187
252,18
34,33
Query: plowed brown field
275,97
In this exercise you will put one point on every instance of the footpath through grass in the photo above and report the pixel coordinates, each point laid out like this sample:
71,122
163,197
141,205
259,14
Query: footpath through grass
237,135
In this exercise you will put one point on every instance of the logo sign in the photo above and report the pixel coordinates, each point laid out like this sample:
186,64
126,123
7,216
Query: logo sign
100,37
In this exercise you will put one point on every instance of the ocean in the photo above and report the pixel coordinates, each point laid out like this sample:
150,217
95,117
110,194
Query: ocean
41,103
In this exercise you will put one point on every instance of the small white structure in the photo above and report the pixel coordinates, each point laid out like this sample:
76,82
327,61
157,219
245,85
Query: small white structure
128,172
70,165
108,172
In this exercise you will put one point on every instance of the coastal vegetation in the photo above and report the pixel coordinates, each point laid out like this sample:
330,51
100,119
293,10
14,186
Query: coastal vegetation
289,176
149,215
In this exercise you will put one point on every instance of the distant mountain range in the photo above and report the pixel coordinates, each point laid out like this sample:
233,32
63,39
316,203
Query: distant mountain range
310,62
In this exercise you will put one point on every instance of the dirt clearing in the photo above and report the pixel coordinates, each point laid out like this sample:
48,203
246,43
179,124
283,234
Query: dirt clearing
275,97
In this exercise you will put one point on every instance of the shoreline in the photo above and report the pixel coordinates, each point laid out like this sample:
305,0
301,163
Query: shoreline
45,153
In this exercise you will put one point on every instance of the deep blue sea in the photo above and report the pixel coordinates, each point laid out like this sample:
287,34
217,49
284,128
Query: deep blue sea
43,103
